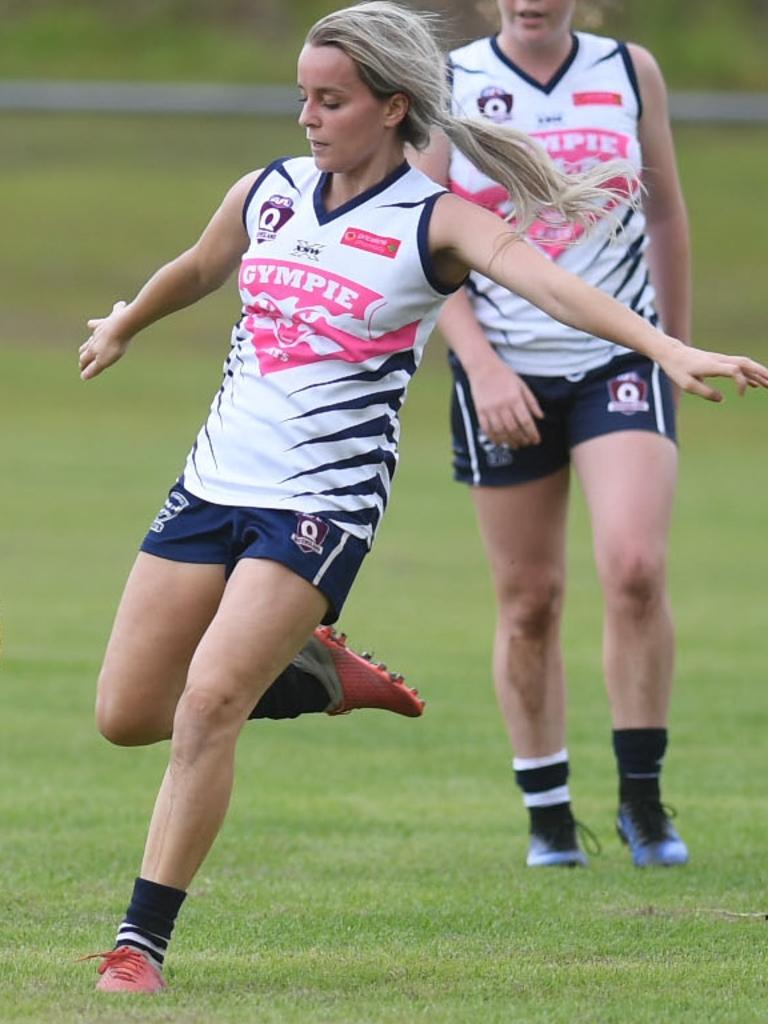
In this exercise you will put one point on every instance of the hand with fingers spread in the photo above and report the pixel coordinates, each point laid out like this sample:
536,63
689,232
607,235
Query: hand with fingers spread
506,407
106,344
689,367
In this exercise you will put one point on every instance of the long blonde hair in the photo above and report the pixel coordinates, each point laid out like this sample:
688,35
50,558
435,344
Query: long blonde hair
395,51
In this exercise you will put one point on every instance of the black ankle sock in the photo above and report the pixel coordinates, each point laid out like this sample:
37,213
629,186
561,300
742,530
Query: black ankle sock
544,818
639,754
294,692
150,918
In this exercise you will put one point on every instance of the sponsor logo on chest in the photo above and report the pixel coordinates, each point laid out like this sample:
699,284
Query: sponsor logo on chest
379,245
309,250
598,99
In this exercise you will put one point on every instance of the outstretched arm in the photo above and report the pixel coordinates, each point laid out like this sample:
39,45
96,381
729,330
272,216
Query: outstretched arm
463,236
186,279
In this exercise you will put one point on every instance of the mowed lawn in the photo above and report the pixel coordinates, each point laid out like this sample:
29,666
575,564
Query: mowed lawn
371,868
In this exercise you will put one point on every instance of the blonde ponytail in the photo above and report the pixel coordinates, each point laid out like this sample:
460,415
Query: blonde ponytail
535,184
395,51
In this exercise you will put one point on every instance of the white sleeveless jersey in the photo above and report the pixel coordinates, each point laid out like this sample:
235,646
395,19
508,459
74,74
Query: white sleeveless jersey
587,113
336,309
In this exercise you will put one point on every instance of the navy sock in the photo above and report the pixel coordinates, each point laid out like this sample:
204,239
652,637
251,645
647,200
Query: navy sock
294,692
639,756
150,918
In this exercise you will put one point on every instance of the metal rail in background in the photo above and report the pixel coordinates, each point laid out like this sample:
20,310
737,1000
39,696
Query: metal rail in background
281,101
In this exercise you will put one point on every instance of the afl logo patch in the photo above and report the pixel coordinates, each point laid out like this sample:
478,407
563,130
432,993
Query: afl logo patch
495,103
310,534
273,215
627,394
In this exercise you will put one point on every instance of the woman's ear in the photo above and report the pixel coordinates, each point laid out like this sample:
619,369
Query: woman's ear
398,106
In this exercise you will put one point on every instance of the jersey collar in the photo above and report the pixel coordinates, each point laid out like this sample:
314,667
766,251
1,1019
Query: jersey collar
545,87
323,217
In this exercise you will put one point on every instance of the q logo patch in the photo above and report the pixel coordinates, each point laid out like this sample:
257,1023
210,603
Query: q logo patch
627,394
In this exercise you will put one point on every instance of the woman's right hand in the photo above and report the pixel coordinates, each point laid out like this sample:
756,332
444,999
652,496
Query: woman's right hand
507,409
689,368
106,344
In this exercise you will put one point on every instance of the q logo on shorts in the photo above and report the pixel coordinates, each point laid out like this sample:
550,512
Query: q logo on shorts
627,394
310,534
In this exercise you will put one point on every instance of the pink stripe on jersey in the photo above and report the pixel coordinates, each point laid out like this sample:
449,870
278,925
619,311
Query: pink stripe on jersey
290,310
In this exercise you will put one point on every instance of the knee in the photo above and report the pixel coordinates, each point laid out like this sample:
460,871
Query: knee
206,714
634,581
127,723
122,726
531,611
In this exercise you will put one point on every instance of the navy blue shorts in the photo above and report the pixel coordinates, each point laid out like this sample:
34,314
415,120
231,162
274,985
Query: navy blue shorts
190,529
628,393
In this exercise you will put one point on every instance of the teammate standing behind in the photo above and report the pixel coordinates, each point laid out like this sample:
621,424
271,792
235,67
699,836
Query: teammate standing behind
345,259
543,396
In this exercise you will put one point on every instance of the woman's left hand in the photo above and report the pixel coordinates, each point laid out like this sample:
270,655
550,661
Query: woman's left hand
688,367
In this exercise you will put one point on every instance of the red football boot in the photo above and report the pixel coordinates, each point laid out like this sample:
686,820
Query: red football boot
126,969
353,680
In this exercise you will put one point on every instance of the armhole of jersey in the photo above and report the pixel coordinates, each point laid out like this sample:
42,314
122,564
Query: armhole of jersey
629,66
424,253
257,184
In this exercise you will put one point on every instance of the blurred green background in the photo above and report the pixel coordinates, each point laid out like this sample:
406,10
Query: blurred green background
701,44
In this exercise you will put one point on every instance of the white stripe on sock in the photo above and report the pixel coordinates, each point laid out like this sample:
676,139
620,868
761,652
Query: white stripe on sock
550,797
524,764
126,933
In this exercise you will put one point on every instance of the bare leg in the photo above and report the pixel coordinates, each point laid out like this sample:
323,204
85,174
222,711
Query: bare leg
232,666
165,609
523,529
629,481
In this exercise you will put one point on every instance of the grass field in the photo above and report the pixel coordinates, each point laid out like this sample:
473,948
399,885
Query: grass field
370,868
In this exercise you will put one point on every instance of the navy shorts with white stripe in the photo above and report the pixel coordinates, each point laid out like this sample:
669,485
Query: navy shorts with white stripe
189,529
628,393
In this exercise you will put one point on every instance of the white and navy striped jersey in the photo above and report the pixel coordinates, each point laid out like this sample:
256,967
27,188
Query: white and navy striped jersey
588,112
336,310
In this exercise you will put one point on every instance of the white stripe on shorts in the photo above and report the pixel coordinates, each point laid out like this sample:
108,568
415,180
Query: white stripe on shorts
658,405
329,560
468,433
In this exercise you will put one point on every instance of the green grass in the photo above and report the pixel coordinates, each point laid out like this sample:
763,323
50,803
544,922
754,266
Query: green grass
370,868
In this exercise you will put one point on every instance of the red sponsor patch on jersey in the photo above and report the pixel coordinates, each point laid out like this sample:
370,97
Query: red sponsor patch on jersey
597,99
379,245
